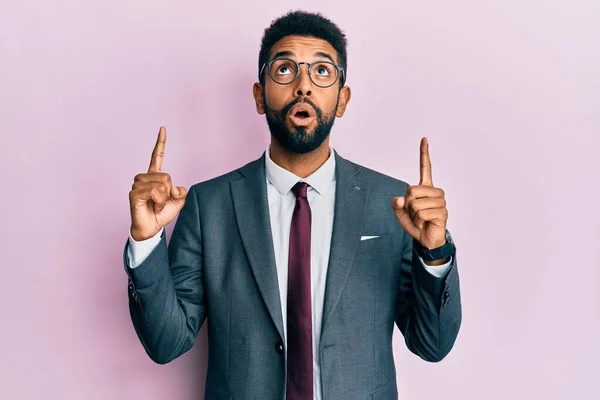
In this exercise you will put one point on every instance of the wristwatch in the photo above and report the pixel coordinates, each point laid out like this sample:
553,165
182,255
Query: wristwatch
439,253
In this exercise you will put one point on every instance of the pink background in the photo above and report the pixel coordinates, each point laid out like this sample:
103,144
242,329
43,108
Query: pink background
508,93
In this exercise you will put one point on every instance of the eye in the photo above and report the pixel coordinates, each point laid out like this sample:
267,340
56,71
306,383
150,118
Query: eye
323,69
283,70
284,67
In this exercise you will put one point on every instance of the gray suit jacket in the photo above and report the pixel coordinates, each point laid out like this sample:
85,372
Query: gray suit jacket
220,265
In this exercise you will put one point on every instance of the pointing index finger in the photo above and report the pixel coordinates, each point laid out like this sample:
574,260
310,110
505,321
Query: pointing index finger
159,151
425,164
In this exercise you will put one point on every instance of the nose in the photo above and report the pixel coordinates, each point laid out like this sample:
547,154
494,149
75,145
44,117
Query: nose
303,84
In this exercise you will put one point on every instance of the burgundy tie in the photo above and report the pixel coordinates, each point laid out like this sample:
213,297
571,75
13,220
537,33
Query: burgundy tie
299,322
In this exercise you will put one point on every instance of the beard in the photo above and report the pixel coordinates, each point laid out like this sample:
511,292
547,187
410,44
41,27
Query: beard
298,139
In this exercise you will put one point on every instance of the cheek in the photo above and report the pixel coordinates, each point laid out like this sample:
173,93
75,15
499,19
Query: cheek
329,103
275,97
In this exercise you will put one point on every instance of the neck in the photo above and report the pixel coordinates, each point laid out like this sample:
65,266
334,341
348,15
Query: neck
302,165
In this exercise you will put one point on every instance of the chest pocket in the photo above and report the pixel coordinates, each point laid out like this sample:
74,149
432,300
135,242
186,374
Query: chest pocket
378,243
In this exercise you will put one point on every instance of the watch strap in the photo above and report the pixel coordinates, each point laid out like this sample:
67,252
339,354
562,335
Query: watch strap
439,253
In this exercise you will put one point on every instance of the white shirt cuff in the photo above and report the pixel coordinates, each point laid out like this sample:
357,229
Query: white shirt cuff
439,271
139,251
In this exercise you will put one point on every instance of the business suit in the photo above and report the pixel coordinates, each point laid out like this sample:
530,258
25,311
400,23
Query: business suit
222,267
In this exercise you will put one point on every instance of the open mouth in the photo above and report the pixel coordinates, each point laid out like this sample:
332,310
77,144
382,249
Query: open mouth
302,114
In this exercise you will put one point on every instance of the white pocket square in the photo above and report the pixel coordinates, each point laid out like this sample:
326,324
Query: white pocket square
368,237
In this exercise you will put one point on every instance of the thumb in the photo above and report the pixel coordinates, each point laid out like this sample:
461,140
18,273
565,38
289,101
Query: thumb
404,217
178,192
398,203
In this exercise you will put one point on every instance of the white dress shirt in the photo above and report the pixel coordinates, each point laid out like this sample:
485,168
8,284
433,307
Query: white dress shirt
321,198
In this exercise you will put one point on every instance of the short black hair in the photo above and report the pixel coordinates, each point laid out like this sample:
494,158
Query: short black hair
303,23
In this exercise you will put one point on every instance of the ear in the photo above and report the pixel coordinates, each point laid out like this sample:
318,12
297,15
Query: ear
259,96
344,99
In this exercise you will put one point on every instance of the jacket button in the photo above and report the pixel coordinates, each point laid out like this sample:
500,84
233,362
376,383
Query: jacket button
446,299
279,348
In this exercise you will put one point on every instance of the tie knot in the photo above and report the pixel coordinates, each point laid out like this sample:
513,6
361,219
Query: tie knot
299,189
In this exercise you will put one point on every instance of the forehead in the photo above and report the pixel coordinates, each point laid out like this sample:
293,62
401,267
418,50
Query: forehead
303,47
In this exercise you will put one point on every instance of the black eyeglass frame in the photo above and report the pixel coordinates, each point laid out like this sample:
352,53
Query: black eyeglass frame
341,73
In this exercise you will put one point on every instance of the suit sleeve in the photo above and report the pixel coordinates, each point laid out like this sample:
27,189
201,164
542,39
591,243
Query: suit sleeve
429,311
166,291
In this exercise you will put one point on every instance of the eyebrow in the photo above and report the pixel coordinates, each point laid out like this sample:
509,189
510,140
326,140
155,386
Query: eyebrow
288,53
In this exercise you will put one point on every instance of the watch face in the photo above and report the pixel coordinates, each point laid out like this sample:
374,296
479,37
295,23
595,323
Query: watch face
445,251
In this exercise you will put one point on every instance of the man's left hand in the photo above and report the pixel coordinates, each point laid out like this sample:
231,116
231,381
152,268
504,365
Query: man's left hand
422,211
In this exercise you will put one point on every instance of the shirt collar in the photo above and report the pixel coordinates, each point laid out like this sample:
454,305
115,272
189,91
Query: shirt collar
284,180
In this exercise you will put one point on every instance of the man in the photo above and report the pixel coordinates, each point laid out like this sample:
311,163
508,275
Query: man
301,261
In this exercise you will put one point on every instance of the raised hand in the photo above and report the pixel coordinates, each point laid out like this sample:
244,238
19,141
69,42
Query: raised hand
153,200
422,211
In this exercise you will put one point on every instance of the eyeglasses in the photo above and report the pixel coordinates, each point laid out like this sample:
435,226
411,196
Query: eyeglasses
285,71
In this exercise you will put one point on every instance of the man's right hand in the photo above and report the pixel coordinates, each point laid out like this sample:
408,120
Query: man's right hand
153,200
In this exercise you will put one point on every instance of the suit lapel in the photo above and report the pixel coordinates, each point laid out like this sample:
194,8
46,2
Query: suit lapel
349,212
252,213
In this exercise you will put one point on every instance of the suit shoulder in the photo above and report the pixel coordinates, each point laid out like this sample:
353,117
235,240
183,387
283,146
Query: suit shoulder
221,181
380,180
